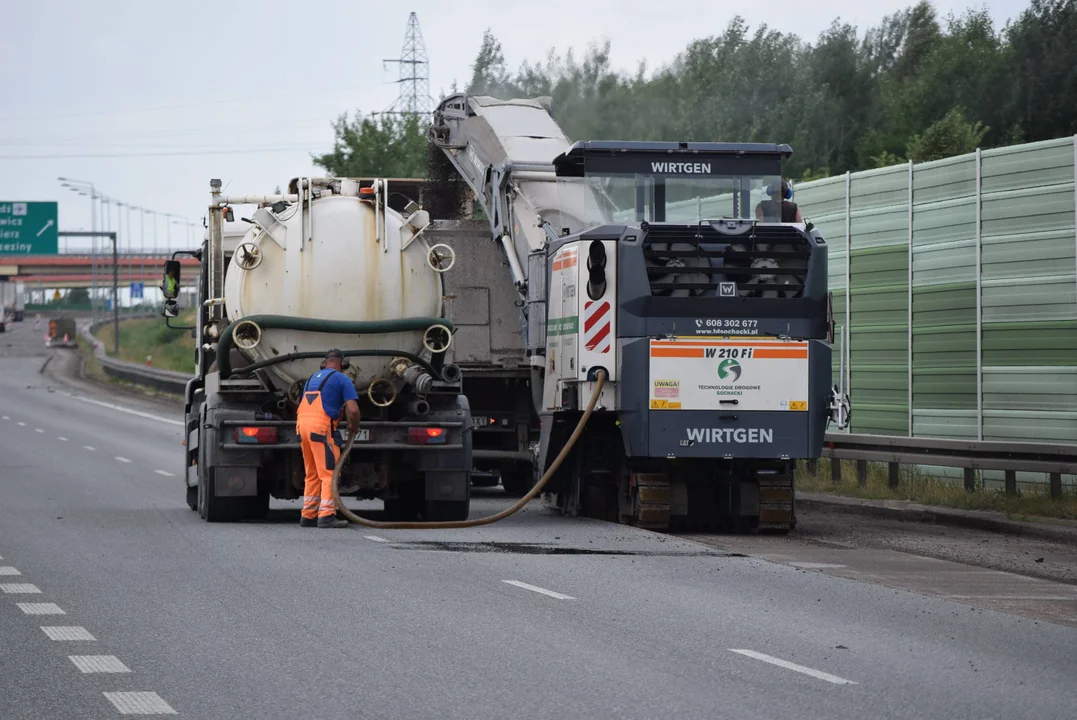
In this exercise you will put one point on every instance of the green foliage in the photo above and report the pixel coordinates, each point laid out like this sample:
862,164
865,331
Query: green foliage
377,146
77,296
914,86
169,349
952,135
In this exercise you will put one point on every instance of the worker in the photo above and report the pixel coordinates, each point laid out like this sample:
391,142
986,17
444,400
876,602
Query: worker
171,284
769,211
327,393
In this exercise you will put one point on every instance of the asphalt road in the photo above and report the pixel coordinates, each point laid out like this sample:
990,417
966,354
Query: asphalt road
535,617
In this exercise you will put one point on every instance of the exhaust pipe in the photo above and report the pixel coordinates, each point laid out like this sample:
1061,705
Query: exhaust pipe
419,407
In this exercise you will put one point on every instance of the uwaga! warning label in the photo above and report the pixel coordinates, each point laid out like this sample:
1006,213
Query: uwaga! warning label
706,374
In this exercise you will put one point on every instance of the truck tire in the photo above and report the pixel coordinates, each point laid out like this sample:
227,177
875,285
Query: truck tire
517,478
215,509
447,511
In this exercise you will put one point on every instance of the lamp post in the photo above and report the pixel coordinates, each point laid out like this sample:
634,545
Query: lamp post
80,186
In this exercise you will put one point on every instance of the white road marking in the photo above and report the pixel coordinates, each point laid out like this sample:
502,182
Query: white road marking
814,566
122,459
18,589
41,608
88,447
119,408
6,417
22,424
99,663
72,632
140,703
61,438
8,570
375,538
543,591
164,472
818,674
1010,597
39,430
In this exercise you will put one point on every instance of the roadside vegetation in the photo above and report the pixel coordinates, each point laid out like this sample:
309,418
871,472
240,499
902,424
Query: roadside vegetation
916,86
1031,502
168,349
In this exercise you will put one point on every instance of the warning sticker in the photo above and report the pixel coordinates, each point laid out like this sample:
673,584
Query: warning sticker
741,374
667,388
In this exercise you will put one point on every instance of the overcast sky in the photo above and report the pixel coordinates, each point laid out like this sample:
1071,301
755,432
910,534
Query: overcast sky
246,91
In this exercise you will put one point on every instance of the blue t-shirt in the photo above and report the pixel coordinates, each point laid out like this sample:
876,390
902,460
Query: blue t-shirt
336,392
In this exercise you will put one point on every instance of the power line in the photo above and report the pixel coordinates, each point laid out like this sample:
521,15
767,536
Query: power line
414,97
183,106
245,151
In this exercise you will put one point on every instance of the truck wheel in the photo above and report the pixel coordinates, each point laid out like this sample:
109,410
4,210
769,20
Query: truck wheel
447,511
215,509
517,478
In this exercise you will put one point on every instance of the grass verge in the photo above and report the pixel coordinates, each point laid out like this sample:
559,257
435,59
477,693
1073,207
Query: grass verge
1029,504
169,349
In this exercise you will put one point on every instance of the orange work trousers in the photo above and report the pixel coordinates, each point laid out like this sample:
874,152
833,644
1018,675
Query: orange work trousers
320,456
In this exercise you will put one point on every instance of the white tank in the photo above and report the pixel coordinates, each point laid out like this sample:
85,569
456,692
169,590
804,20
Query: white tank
342,272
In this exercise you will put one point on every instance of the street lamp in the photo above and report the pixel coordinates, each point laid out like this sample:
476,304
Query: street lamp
79,186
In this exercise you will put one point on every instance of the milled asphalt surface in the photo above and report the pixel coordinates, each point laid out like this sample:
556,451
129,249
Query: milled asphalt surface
267,620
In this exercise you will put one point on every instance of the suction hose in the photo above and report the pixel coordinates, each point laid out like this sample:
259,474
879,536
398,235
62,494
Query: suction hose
601,380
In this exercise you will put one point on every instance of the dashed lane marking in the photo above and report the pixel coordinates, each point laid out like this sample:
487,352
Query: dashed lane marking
41,608
542,591
6,417
70,632
22,424
8,570
164,472
61,438
818,674
98,664
139,703
88,447
375,538
815,565
120,408
19,589
122,459
39,430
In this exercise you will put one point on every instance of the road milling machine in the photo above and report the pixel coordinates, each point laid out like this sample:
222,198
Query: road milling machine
657,264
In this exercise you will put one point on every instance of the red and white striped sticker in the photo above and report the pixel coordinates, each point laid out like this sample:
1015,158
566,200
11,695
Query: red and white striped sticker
596,326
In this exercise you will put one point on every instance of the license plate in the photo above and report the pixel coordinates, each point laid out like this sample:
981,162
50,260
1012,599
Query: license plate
362,436
479,421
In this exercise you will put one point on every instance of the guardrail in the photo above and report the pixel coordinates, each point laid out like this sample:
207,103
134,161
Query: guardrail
969,455
157,379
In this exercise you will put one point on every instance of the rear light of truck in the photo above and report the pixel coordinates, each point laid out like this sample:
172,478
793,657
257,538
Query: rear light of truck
256,435
426,436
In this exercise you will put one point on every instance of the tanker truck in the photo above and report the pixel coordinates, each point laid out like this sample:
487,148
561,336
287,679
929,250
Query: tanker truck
328,264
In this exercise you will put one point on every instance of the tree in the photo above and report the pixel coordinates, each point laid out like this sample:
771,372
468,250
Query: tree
952,135
78,296
1043,55
377,146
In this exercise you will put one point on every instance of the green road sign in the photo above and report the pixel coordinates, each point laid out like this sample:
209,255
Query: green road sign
28,228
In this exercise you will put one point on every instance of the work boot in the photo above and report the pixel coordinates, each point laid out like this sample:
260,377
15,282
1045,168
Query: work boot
308,522
331,522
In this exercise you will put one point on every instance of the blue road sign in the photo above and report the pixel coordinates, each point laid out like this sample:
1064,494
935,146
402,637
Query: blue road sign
136,290
28,228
